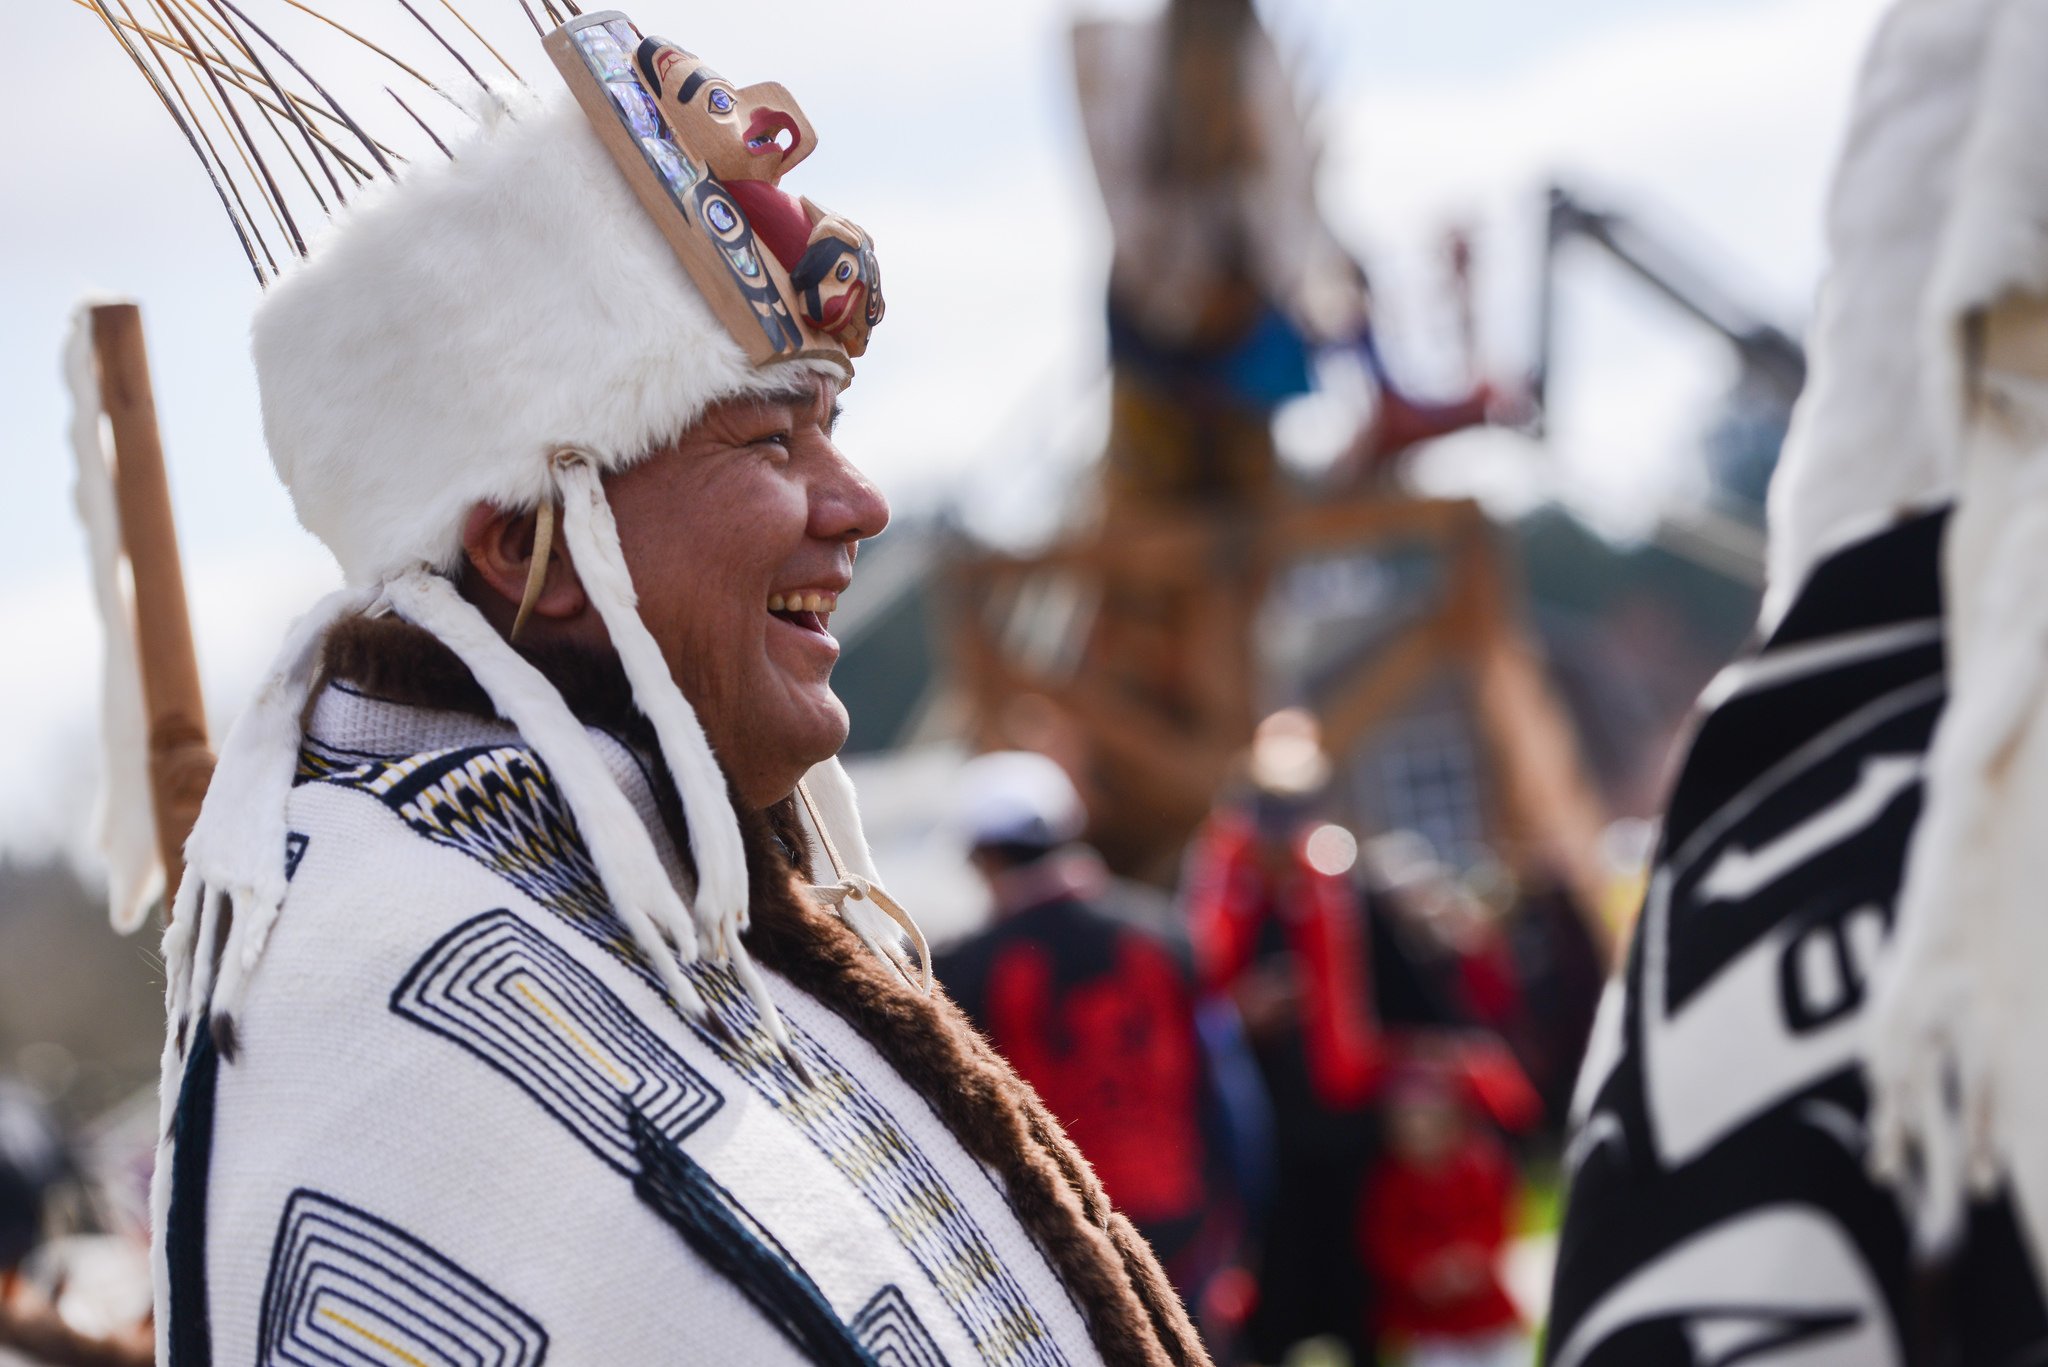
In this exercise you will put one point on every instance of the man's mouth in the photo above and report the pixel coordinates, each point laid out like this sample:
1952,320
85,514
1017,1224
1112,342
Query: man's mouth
809,609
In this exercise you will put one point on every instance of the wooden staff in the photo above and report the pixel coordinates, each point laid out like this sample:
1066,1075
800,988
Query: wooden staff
180,761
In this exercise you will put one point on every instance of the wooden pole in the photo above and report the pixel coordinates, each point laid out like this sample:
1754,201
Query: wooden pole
180,762
1552,815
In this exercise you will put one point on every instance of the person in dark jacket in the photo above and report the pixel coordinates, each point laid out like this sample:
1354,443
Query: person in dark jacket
1100,1013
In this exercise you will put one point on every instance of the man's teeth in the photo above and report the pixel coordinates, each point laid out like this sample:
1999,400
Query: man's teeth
803,602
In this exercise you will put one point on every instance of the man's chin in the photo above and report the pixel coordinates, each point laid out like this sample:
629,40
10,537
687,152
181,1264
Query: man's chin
823,726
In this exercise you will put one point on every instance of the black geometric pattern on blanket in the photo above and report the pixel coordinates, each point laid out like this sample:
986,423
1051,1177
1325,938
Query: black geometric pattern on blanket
295,843
892,1333
498,805
859,1136
496,986
189,1336
348,1287
677,1188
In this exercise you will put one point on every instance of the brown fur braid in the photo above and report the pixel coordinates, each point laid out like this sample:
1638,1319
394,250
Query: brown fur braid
1133,1315
1132,1312
1169,1317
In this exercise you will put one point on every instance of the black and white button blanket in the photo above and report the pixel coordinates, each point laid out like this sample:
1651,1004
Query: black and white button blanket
1720,1208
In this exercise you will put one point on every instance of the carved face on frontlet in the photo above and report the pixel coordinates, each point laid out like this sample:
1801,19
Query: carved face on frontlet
704,157
753,132
838,281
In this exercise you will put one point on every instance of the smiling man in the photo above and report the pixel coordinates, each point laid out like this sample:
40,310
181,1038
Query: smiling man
532,995
743,532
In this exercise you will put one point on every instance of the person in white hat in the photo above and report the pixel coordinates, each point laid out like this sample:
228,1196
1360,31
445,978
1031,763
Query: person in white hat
1096,1005
532,995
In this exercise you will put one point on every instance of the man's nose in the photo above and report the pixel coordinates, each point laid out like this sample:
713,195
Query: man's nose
846,505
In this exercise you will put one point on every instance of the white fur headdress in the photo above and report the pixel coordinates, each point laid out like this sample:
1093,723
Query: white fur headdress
456,328
503,326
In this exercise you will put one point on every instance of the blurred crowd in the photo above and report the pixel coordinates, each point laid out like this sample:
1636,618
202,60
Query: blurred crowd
74,1237
1314,1076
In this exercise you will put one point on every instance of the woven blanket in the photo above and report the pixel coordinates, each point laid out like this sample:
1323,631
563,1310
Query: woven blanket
459,1121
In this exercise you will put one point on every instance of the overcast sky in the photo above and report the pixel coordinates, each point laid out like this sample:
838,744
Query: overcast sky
943,125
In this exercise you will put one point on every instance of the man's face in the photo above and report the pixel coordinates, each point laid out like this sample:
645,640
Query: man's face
740,539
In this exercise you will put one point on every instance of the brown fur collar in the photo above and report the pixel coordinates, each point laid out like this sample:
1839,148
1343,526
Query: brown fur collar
1133,1314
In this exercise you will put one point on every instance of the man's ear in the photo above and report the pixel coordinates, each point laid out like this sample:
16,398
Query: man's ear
499,546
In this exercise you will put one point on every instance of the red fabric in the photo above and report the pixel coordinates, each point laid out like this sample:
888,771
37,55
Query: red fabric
1229,901
1226,900
1492,986
1498,1084
1118,1062
1412,1220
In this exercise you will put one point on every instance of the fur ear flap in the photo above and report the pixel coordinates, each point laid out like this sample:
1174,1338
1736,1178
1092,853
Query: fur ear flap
722,894
593,538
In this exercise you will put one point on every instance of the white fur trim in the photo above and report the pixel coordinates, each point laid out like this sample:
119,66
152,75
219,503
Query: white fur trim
831,813
839,813
620,846
721,858
1957,1018
206,947
1994,242
1861,448
451,331
125,819
170,1074
236,850
181,932
749,974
